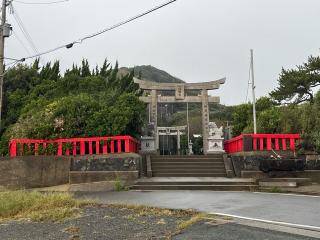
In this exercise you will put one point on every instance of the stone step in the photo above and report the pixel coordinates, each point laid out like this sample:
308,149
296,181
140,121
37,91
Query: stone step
164,168
182,160
211,156
196,183
172,163
285,182
181,170
190,174
196,187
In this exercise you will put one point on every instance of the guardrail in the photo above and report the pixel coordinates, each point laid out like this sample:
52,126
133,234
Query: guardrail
74,146
262,142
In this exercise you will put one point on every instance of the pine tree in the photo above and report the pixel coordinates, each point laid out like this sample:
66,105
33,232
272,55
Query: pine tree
85,68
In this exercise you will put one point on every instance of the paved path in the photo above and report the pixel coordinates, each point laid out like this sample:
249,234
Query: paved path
294,209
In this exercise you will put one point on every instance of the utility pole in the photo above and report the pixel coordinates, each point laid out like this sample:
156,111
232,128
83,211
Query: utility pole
253,95
4,32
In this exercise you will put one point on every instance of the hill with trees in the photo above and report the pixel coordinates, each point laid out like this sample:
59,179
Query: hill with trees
150,73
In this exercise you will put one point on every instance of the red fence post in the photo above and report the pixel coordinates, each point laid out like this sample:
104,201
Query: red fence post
74,149
261,144
127,145
44,145
105,147
276,142
292,144
284,144
97,147
13,148
60,149
269,144
255,148
36,149
119,146
90,148
82,148
112,146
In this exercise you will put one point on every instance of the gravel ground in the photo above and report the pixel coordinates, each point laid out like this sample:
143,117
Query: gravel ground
113,223
96,223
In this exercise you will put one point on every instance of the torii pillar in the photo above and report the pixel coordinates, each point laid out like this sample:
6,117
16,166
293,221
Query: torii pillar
205,119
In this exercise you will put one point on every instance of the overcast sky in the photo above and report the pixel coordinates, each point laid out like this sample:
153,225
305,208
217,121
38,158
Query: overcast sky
195,40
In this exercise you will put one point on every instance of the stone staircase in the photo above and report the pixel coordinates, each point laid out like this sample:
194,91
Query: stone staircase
188,166
192,173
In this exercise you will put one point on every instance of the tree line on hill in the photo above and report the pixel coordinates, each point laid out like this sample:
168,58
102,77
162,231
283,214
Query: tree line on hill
40,103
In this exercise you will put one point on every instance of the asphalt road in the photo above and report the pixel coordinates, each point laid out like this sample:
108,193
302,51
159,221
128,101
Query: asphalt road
235,232
293,209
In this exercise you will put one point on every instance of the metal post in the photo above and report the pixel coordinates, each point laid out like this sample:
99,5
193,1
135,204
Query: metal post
188,128
178,143
168,145
253,95
3,21
149,112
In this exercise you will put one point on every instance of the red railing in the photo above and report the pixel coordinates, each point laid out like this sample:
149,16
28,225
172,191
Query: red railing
262,142
73,146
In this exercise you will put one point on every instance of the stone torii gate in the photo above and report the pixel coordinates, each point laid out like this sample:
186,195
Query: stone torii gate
173,131
154,98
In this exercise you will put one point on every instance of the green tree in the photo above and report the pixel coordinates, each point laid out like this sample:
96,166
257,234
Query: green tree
269,121
297,85
241,118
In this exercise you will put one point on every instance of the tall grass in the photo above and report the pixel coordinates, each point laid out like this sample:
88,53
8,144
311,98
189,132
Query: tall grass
38,206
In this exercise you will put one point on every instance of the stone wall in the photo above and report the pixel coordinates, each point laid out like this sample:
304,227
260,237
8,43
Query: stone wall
312,162
111,167
258,163
250,165
32,172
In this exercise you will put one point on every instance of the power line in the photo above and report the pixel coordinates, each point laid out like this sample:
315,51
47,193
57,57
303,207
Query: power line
7,70
126,21
8,58
41,3
21,43
79,41
24,30
14,63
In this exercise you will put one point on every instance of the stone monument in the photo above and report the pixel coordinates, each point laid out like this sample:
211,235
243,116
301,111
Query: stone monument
190,145
215,139
148,140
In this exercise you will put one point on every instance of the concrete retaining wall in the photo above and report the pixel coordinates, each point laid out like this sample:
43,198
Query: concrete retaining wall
312,162
33,172
111,167
110,162
102,176
248,165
